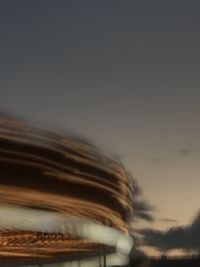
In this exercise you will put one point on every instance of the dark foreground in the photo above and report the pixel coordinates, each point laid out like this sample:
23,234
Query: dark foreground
192,262
177,262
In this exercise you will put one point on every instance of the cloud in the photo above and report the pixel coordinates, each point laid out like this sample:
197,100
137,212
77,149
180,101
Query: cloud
186,238
142,209
184,151
167,220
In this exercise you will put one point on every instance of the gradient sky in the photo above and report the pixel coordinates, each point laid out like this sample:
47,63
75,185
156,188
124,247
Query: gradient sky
124,74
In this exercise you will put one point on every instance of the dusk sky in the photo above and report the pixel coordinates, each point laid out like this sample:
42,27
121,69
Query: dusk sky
125,75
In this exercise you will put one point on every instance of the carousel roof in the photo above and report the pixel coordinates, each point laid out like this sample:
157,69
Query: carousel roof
60,197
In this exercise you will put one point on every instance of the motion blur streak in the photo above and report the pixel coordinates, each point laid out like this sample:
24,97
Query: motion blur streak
26,219
51,183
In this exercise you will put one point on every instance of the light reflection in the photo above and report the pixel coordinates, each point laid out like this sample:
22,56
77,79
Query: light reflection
27,219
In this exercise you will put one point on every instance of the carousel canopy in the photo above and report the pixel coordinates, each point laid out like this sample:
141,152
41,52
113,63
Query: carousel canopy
60,197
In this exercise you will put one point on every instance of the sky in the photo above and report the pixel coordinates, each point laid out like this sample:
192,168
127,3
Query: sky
125,75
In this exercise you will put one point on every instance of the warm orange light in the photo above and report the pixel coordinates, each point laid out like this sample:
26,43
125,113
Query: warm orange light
45,173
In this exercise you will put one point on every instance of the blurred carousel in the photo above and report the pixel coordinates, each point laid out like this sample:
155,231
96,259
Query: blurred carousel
62,203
